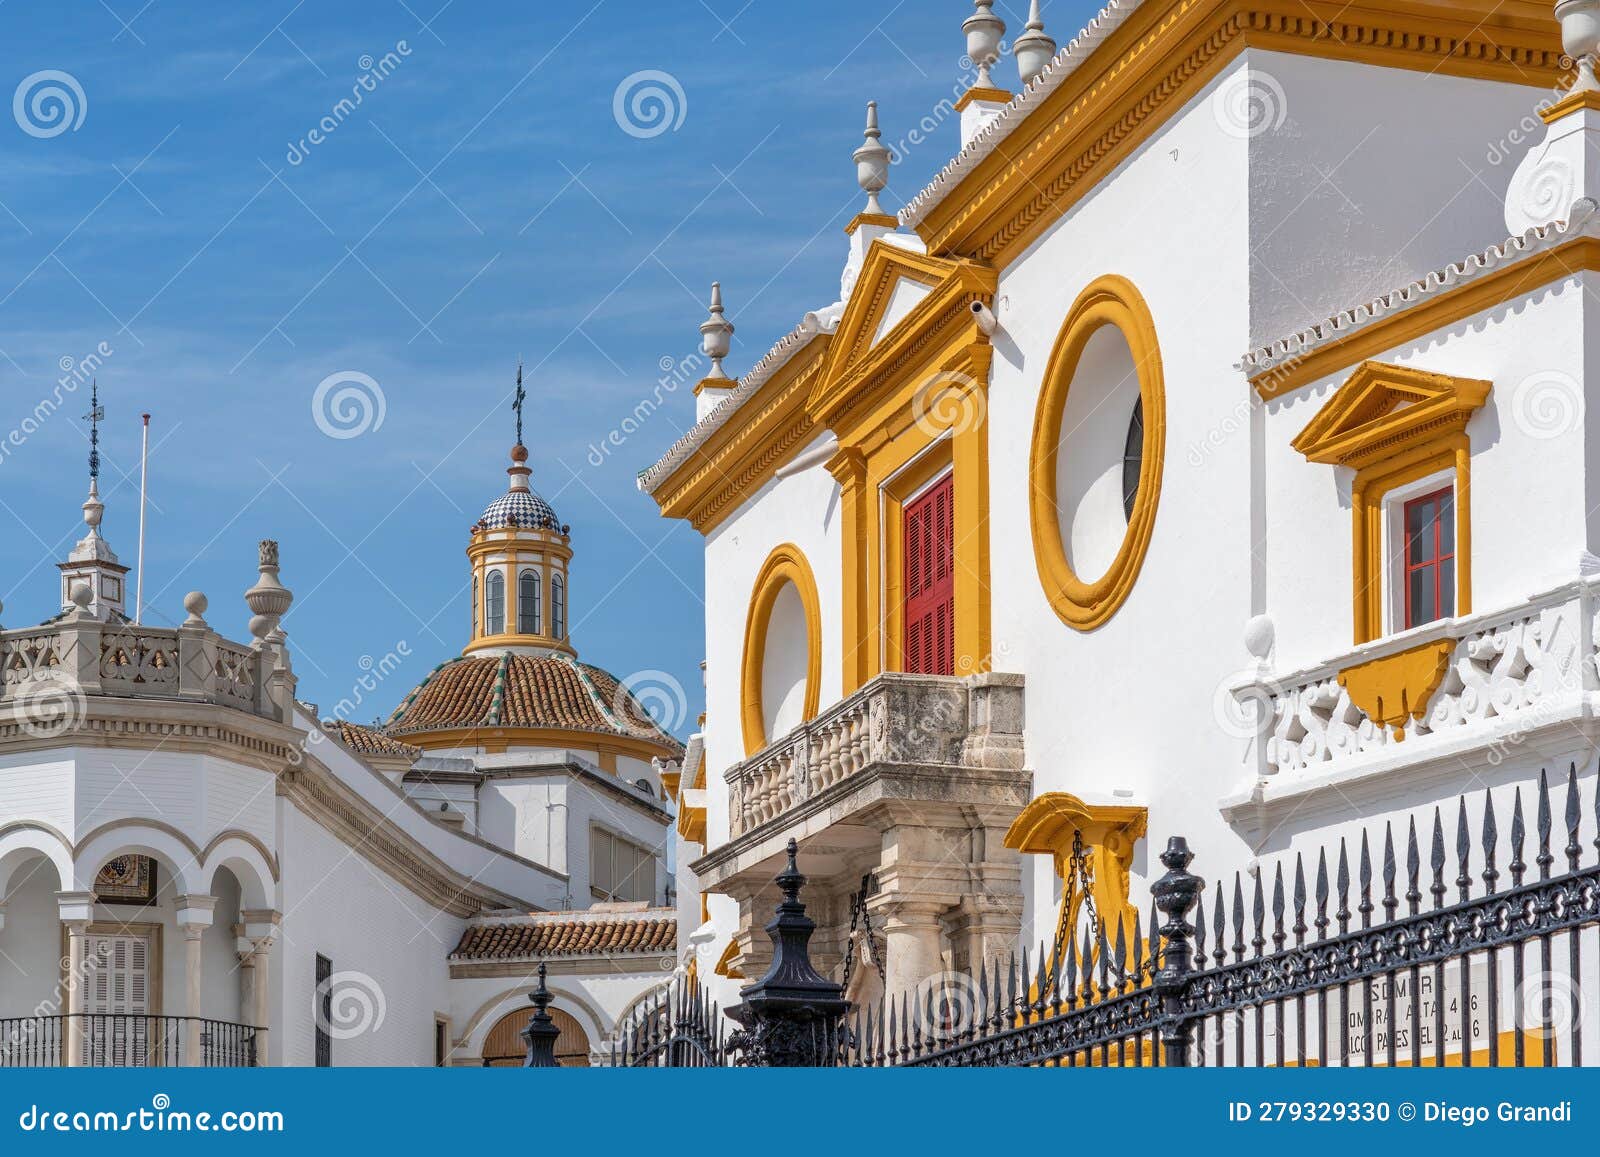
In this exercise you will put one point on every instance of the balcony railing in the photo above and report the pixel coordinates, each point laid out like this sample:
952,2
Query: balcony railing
1505,675
895,719
122,1040
43,670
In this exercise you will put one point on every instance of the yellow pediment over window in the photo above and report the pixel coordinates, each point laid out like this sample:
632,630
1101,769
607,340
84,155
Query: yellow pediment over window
907,309
1385,411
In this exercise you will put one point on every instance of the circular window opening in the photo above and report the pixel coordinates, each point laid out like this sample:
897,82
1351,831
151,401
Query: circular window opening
1095,467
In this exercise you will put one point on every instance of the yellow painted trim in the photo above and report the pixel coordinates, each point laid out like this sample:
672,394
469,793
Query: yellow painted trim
1047,827
725,966
1395,689
978,93
1437,312
1152,66
786,564
885,220
1084,606
494,739
1394,425
725,385
1571,103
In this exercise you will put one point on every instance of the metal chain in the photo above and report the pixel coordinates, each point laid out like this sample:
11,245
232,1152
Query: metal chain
1080,877
860,917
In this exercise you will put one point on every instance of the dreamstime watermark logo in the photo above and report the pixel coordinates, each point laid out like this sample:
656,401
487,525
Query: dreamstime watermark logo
1547,404
1250,104
375,672
1550,1004
373,73
658,695
75,372
952,402
947,1005
47,708
649,103
48,103
348,404
1242,704
675,374
349,1004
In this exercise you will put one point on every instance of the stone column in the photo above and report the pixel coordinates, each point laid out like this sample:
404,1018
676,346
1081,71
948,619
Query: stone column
260,931
194,917
914,937
77,910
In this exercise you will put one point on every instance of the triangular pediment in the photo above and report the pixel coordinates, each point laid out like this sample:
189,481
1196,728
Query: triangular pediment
901,299
1386,409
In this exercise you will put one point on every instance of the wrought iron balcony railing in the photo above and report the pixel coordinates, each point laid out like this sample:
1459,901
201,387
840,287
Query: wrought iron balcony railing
122,1040
973,721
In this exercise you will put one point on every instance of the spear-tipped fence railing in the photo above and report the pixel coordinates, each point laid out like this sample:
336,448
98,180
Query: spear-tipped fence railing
1390,949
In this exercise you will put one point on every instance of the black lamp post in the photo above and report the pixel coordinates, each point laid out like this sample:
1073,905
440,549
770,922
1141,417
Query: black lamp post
793,1016
542,1031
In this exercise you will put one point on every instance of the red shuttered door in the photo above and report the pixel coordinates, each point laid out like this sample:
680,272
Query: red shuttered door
930,627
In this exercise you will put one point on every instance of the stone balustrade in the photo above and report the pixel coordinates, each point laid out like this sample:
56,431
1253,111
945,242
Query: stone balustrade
1502,676
895,719
91,658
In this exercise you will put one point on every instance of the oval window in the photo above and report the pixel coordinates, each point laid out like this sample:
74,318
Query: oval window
1098,441
784,665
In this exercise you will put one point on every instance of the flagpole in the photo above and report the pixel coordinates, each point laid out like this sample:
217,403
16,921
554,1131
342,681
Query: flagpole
144,464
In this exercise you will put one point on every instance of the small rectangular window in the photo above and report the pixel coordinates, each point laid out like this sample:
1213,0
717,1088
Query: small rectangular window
1429,564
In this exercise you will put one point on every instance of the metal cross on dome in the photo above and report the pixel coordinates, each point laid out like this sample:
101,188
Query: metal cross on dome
516,402
94,417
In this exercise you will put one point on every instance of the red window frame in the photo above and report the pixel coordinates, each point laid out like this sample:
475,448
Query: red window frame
1431,540
929,566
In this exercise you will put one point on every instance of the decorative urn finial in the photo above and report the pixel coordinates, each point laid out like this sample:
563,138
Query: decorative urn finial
716,333
269,599
542,1031
984,30
872,161
1580,36
1034,49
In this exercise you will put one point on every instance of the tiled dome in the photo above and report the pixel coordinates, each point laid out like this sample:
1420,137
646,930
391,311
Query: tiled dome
545,692
522,509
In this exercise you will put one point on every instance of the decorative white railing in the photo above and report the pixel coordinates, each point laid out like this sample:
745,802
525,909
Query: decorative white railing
974,721
1526,666
87,658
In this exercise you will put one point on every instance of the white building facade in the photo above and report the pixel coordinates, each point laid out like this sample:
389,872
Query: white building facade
1203,452
197,870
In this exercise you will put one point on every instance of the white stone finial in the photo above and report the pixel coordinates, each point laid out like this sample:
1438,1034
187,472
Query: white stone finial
81,596
716,334
1034,49
872,162
195,603
269,599
1580,36
984,31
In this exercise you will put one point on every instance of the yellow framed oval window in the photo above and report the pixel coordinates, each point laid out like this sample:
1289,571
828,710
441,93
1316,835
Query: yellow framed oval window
782,666
1099,438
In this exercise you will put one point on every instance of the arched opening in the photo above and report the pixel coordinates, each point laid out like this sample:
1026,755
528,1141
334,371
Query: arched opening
558,606
494,604
530,620
505,1048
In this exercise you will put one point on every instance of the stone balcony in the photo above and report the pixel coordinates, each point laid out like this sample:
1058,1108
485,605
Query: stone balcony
1455,698
912,781
47,674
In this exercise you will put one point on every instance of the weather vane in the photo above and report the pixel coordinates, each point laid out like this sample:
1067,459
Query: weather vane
96,414
516,402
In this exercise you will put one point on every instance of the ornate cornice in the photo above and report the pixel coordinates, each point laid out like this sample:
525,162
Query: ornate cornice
1051,145
319,794
168,725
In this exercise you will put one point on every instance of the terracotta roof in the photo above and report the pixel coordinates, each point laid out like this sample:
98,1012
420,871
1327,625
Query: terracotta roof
569,935
534,691
367,741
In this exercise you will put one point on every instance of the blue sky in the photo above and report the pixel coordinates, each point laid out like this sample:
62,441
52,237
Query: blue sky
482,201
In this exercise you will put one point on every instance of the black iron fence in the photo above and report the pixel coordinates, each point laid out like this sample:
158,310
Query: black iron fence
122,1040
1452,946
